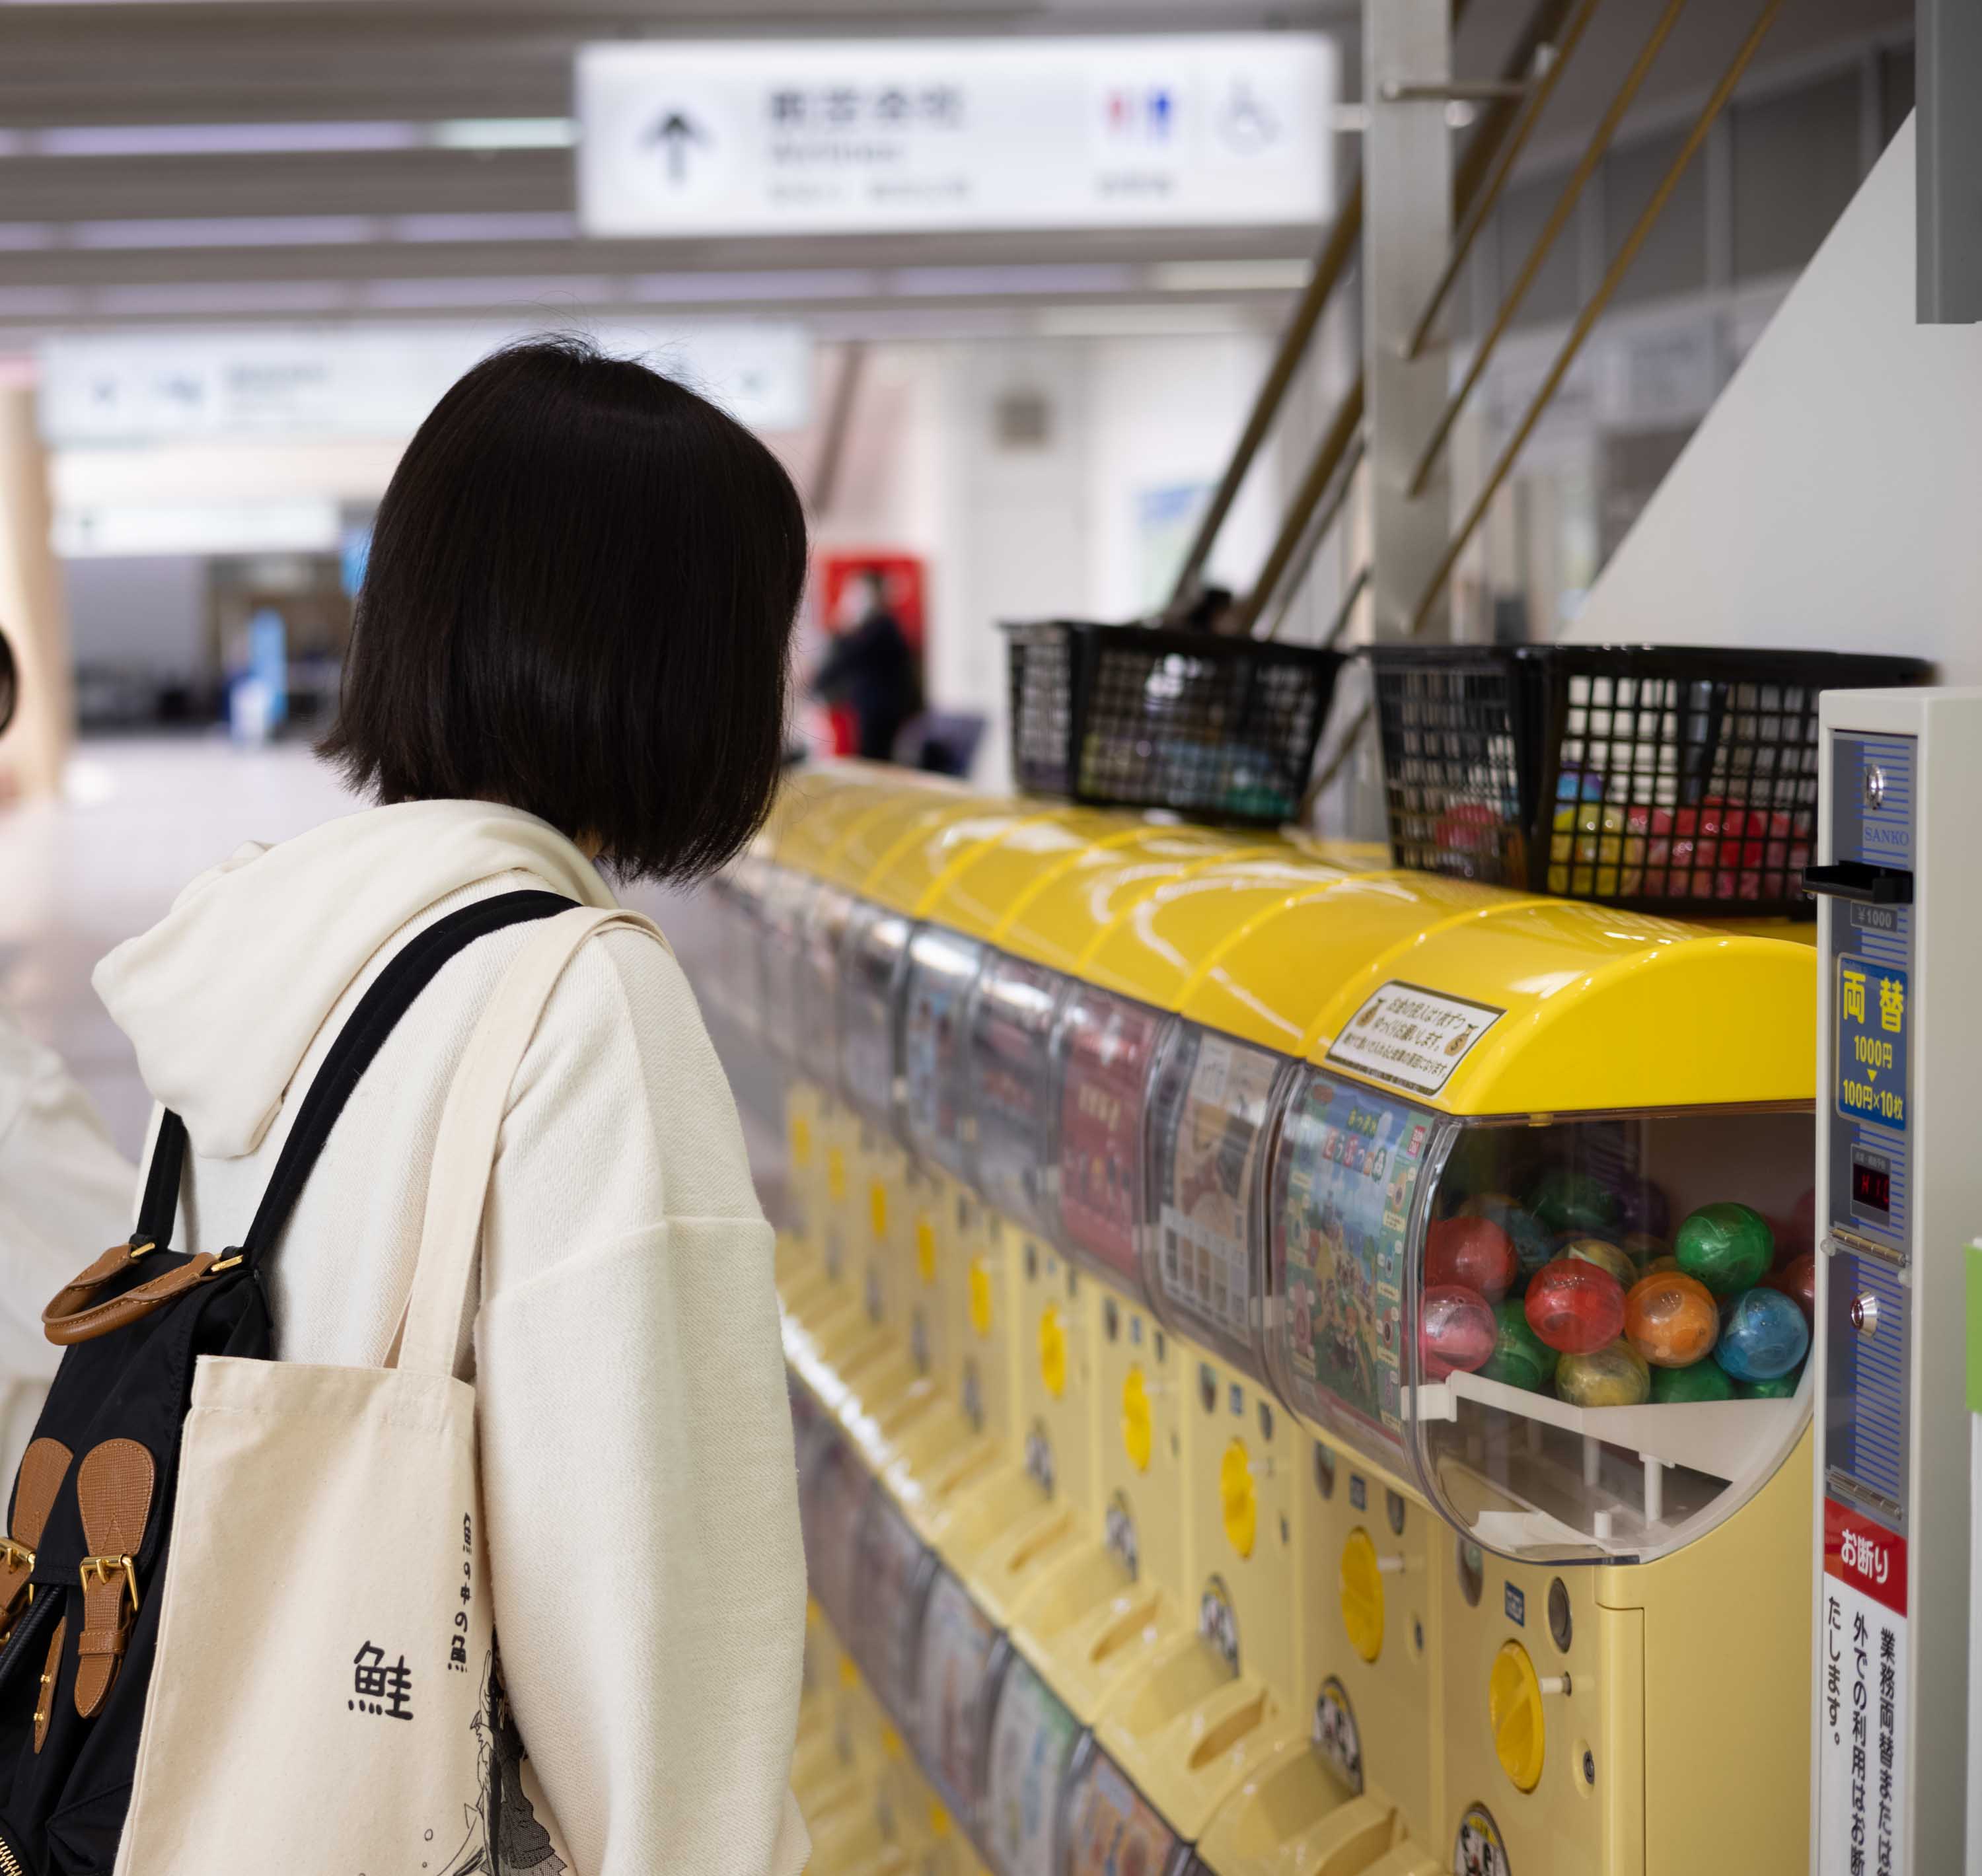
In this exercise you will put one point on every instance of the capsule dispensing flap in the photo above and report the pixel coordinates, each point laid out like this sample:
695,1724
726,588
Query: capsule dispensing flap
1211,1113
1345,1189
1106,1050
1010,1054
942,972
871,957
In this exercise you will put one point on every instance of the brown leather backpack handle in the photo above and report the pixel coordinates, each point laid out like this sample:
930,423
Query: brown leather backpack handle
71,1317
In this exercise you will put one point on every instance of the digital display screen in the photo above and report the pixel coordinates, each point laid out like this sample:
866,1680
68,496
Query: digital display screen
1871,1187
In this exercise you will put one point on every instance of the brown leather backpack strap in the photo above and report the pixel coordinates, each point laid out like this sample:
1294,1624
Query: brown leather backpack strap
44,1693
70,1317
114,1487
44,1466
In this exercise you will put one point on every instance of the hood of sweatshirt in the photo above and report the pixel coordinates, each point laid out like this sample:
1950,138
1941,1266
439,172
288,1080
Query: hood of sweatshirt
223,997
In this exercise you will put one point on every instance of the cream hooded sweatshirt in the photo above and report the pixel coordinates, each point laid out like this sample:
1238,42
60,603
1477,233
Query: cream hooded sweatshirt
641,1497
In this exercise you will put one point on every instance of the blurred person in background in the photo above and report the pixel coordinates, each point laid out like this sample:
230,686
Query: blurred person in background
871,670
65,1194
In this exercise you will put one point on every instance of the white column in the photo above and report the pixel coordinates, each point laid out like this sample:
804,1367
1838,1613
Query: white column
1407,232
33,612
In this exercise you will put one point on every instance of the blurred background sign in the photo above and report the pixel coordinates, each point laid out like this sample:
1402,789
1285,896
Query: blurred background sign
366,381
794,137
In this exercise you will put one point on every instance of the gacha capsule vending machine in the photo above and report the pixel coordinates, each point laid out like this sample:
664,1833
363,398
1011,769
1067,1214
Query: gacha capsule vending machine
1900,1191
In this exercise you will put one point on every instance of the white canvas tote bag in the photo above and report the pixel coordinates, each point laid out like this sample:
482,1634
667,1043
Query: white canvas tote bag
327,1697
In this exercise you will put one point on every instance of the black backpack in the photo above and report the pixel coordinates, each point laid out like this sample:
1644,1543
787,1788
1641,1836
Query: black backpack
89,1525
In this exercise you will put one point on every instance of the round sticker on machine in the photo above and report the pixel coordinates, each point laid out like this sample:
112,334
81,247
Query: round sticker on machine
1336,1741
1480,1849
1218,1621
1118,1533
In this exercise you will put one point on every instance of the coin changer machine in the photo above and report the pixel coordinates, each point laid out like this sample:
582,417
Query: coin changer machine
1299,1365
1900,1183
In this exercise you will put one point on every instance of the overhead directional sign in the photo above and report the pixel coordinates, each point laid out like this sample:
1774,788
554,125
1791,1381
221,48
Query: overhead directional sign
360,381
822,136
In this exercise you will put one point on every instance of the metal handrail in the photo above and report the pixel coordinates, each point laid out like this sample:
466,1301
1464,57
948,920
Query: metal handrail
1330,265
1471,175
1593,309
1318,531
1558,220
1329,453
1577,14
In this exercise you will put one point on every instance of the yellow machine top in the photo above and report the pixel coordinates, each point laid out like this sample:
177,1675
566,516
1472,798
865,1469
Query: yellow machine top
1473,999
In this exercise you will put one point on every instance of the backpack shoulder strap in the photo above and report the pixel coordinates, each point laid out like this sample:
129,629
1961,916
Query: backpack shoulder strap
391,995
471,1125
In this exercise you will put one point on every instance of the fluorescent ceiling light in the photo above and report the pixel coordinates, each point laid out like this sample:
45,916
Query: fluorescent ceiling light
330,138
505,133
1159,321
287,231
805,283
549,225
985,282
272,231
219,139
1230,276
553,297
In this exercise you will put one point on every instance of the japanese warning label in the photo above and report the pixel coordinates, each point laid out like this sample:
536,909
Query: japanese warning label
1411,1037
1861,1697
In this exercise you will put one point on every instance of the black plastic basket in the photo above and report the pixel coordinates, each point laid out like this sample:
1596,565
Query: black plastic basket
1218,728
1664,777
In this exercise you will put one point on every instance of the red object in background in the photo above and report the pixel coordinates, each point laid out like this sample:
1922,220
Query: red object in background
840,598
838,574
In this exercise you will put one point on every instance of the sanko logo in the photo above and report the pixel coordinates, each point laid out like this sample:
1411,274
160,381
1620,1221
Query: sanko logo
1876,835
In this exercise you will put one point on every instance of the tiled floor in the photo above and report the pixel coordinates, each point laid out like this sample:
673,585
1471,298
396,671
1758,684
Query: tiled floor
142,817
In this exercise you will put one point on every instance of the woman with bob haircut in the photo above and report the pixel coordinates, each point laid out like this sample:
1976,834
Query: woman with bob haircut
570,654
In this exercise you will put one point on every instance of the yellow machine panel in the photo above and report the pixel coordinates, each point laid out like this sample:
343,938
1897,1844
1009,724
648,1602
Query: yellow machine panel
1338,1327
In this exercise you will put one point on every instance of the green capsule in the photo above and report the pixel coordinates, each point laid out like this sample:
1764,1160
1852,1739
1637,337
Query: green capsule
1520,1357
1705,1381
1564,1201
1729,1247
1779,1389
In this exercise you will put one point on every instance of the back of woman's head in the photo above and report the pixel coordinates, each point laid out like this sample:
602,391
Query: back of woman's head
578,601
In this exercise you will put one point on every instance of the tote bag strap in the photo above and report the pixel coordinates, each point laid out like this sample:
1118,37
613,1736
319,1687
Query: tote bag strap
470,1125
391,994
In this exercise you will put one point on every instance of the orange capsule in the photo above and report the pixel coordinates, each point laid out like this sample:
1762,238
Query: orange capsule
1671,1319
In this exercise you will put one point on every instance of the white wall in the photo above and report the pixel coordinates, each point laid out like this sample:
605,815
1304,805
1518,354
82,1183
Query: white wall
1164,413
1832,496
1014,535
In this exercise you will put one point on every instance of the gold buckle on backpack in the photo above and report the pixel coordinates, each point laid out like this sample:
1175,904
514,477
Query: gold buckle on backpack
102,1568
